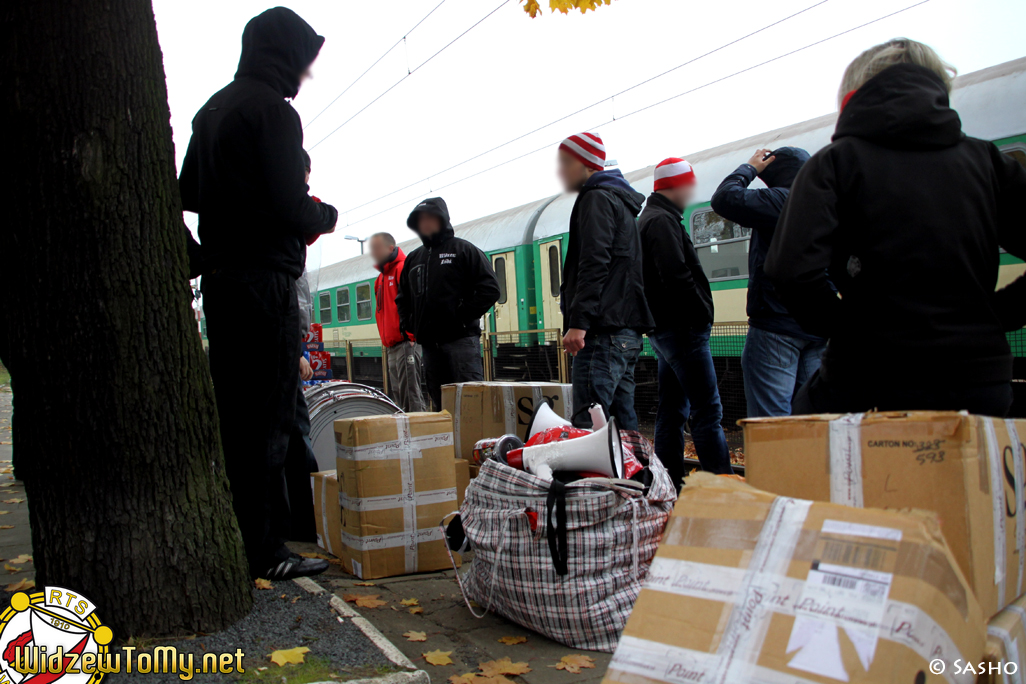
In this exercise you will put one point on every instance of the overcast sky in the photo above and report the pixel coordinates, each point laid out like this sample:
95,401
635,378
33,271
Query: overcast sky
511,74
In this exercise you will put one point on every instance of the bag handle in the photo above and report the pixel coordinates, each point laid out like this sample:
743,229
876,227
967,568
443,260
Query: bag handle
556,533
495,566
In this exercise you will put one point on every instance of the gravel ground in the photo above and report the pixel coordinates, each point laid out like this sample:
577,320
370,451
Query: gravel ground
276,623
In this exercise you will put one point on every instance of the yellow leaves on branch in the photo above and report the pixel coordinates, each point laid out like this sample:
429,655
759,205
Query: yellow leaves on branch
533,8
438,657
575,663
291,655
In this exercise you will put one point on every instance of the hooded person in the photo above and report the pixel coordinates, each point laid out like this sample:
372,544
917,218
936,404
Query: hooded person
244,175
446,286
779,355
908,215
405,356
602,296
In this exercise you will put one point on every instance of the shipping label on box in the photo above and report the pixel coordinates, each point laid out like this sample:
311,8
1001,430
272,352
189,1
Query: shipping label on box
328,517
493,409
397,481
967,469
1006,646
750,587
320,362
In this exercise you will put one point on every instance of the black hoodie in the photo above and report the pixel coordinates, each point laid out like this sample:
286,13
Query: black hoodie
908,214
603,287
243,172
446,286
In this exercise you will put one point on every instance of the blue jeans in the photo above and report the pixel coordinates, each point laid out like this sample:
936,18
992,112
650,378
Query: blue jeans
603,373
775,367
688,389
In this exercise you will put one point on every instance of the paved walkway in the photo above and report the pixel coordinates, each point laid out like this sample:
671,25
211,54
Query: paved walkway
15,534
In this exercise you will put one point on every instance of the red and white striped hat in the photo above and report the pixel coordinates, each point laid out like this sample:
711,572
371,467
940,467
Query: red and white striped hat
587,148
672,173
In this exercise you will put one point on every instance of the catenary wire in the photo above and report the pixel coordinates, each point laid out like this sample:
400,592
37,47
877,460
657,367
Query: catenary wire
409,73
645,108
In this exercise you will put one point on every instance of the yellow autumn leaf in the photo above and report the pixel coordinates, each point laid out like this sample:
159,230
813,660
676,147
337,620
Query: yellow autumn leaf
410,602
13,501
574,663
503,666
321,556
291,655
6,527
512,640
533,9
364,584
415,636
416,610
23,558
438,657
11,569
263,583
21,586
469,678
370,602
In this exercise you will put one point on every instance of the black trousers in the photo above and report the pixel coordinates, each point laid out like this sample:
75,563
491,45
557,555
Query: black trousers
253,330
450,362
300,462
822,394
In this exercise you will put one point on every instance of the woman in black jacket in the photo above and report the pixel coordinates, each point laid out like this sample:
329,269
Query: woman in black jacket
908,215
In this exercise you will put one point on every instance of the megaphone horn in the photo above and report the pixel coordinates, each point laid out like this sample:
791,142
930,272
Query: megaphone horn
543,419
599,452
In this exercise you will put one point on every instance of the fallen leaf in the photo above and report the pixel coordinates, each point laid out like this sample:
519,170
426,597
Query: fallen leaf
513,640
370,602
4,512
5,442
11,569
415,636
23,558
410,602
315,555
6,527
503,666
284,596
21,586
296,598
292,655
263,583
416,611
438,657
575,663
350,598
13,501
469,678
364,584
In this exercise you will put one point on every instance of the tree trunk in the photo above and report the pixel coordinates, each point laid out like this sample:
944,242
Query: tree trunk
117,434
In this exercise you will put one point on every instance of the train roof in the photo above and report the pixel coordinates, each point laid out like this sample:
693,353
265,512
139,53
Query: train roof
991,103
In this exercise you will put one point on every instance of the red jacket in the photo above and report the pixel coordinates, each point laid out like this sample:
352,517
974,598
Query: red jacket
385,289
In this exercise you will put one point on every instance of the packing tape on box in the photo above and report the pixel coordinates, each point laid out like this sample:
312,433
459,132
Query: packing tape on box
456,420
997,501
388,501
326,540
1020,499
1011,652
846,460
391,541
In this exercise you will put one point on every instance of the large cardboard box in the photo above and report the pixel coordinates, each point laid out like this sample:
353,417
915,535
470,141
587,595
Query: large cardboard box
750,587
967,469
493,409
328,517
1005,655
397,480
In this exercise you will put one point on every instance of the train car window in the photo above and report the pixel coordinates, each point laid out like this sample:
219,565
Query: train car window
555,277
500,273
1016,152
325,304
364,308
342,304
725,260
708,226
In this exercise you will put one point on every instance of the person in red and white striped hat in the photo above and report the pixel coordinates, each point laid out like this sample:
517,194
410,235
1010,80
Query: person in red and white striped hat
681,300
602,296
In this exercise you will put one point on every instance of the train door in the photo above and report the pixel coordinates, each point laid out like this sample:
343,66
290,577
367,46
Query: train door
506,306
551,278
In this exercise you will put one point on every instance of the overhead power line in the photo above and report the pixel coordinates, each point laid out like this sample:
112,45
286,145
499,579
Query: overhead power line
386,53
409,73
638,111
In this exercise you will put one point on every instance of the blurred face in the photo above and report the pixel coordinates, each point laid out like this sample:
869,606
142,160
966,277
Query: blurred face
306,178
380,250
681,195
428,224
572,173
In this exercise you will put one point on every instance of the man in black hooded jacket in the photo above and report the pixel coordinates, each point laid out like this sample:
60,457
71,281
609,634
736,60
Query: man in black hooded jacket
446,286
909,215
244,174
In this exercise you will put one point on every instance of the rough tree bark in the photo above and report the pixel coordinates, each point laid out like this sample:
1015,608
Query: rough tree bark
117,434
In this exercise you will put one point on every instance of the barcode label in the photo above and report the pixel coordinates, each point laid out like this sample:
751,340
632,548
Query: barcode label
856,554
837,581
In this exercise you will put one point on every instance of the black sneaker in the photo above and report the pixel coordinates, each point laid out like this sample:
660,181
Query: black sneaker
296,566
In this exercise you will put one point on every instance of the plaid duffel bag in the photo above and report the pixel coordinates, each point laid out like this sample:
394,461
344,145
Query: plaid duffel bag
566,560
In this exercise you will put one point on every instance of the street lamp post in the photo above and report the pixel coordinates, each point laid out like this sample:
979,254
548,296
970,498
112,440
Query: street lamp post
360,240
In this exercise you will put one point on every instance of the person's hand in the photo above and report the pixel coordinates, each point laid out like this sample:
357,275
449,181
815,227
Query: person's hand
305,371
757,162
573,341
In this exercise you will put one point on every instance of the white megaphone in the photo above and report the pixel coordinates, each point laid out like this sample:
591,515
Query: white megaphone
544,418
599,452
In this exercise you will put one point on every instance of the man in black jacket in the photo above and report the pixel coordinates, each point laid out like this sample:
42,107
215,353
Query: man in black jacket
446,286
681,301
602,295
779,357
244,175
909,215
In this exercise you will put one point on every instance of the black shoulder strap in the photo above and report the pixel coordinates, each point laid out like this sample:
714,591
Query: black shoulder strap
556,533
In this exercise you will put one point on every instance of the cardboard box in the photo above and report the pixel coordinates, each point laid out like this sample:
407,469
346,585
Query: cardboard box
315,335
397,480
326,511
462,479
1004,656
750,587
493,409
320,362
967,469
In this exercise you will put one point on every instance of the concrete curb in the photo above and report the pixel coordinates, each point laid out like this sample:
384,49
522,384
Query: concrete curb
387,648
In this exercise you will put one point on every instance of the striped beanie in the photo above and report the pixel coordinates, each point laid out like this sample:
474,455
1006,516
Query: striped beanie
672,173
586,148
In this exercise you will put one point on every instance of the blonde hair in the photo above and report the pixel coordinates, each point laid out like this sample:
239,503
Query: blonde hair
896,51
